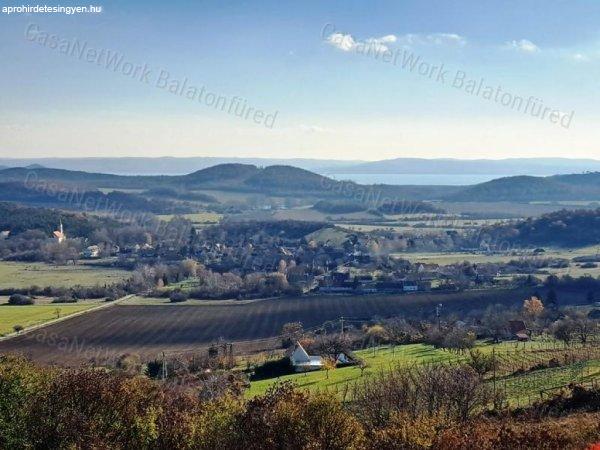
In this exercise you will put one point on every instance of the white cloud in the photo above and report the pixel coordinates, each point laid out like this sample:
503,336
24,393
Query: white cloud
441,39
523,46
344,42
347,43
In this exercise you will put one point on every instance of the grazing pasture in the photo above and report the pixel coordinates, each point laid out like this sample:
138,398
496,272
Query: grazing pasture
252,326
20,275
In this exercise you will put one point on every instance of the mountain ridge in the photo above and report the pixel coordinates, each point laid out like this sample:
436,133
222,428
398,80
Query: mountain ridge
169,165
282,180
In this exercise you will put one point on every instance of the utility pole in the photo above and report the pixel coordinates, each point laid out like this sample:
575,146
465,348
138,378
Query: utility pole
342,324
494,368
164,367
438,312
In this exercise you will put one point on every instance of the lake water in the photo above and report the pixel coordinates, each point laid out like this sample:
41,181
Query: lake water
415,178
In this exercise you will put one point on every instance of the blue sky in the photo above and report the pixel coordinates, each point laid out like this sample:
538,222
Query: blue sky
302,63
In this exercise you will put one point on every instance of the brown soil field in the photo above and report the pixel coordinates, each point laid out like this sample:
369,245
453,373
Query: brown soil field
102,336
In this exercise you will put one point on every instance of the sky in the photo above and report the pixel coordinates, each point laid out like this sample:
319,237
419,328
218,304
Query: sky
364,80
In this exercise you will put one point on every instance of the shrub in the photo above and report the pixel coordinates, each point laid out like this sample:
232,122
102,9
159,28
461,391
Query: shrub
129,363
480,362
65,299
272,369
286,418
20,299
178,296
454,392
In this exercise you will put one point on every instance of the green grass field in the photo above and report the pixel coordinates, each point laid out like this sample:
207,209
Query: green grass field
29,315
377,359
446,258
138,300
201,217
522,389
518,388
23,275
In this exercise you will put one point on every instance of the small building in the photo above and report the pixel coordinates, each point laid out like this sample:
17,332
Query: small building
519,330
92,252
522,337
410,286
345,359
303,362
4,234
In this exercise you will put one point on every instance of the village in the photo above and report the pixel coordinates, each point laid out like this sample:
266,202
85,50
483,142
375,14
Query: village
313,257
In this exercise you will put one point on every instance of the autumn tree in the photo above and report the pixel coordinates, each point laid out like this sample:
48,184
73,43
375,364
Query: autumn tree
328,364
376,334
533,307
188,268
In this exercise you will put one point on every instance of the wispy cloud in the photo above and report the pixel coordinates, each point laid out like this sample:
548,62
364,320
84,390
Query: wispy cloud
347,42
523,46
440,39
580,57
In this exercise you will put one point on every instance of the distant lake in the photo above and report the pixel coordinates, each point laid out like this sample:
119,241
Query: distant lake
416,178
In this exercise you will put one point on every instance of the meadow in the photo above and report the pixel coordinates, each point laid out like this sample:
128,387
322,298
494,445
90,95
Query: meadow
196,218
19,275
30,315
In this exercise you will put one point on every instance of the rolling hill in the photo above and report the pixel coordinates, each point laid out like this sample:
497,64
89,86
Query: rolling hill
245,178
183,165
584,186
289,181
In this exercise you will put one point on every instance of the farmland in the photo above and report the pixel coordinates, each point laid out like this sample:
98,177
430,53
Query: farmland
23,275
573,268
29,315
149,330
511,357
196,218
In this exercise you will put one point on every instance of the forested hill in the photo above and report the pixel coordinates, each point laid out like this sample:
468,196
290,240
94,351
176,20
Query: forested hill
244,177
526,188
18,219
561,228
293,181
247,178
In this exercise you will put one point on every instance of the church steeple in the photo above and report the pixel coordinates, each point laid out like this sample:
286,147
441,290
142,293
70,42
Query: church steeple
60,233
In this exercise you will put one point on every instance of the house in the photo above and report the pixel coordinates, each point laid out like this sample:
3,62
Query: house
345,359
410,286
93,251
518,329
303,362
